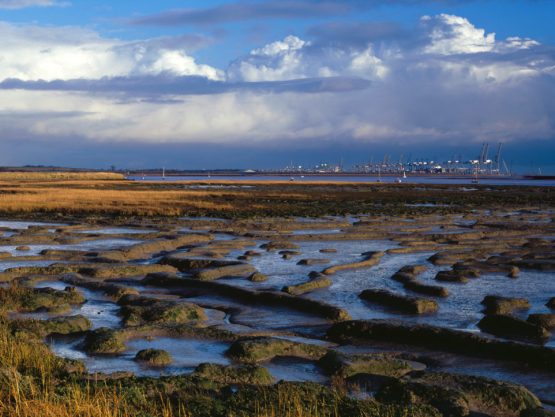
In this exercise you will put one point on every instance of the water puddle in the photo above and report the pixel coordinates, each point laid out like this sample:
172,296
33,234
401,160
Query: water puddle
116,231
257,316
16,264
20,225
100,310
282,272
204,218
315,232
186,355
91,245
295,369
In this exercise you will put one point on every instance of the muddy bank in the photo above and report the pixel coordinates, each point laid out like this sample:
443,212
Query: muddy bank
317,308
444,339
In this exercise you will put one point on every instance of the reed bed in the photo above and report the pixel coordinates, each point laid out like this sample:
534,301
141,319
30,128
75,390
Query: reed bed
78,197
59,176
77,200
32,385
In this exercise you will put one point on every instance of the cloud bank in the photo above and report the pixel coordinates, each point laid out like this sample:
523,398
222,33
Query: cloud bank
444,80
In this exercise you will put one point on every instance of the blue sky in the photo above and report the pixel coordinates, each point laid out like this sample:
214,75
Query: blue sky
213,83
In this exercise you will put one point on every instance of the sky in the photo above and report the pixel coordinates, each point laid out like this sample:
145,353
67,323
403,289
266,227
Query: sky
256,84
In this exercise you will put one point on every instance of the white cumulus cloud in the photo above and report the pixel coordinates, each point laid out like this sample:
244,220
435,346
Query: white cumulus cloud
49,53
294,58
450,34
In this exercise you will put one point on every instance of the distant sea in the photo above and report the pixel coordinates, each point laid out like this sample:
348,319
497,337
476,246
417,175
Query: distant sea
362,179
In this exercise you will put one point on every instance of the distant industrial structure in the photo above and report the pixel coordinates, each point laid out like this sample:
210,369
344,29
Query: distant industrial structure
481,165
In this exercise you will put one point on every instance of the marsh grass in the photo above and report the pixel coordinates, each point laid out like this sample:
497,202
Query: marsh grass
34,383
57,176
115,197
71,199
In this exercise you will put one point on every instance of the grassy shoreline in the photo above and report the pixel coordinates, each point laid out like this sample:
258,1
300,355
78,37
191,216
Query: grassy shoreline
43,197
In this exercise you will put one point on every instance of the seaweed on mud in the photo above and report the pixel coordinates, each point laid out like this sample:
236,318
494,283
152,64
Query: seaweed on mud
443,339
343,365
23,299
136,310
318,308
312,285
234,374
63,325
458,395
545,320
513,328
495,304
238,270
262,349
153,357
369,259
407,304
97,270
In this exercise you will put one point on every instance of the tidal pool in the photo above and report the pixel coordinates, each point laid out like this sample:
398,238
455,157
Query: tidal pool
100,244
19,225
186,354
295,369
100,310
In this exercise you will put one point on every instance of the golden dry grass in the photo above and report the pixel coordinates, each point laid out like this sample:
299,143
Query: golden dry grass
56,176
95,198
28,384
127,198
113,197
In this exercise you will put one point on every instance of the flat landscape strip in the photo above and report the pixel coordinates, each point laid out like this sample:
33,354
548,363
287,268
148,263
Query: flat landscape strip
44,196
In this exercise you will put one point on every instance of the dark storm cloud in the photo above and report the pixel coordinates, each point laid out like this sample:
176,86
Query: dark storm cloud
153,86
357,34
241,11
251,10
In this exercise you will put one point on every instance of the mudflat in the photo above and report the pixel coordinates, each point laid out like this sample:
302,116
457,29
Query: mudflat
256,299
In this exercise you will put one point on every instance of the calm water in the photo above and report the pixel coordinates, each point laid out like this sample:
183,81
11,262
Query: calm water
100,244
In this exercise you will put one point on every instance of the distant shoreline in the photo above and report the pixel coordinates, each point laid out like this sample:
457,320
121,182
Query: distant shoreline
312,174
244,174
